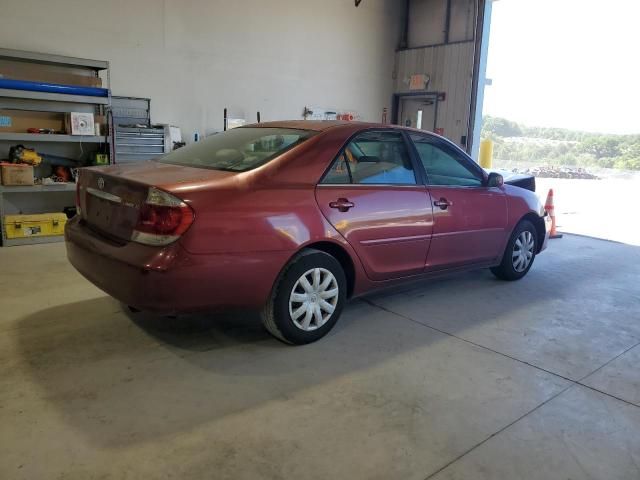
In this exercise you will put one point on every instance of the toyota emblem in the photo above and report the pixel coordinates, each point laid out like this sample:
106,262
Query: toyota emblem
101,183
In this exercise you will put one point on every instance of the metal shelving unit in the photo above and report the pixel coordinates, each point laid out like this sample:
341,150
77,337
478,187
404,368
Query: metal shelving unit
52,97
55,187
14,242
52,59
44,137
10,194
48,198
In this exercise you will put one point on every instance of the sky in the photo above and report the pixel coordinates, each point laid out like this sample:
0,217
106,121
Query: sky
566,63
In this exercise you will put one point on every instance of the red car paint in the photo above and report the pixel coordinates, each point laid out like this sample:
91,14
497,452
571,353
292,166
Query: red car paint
248,225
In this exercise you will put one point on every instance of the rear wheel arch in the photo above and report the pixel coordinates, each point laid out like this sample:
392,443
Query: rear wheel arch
336,250
341,255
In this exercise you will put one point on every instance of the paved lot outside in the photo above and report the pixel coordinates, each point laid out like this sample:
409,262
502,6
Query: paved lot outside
464,377
606,208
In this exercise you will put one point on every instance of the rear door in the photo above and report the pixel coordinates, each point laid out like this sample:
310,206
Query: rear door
469,218
372,197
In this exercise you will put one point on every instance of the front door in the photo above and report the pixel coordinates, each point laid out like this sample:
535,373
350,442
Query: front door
469,218
371,196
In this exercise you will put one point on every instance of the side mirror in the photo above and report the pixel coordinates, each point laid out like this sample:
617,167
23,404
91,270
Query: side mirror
495,180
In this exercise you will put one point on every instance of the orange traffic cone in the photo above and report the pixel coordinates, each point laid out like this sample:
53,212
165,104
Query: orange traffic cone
548,206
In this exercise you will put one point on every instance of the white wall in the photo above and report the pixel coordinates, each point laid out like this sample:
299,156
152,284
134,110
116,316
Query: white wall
195,57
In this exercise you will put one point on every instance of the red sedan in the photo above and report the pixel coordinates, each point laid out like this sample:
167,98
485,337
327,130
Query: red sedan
294,218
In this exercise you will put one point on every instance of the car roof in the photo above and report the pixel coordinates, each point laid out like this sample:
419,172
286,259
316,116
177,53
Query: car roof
322,125
315,125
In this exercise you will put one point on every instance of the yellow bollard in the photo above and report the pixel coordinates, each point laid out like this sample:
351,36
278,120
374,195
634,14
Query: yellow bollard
486,153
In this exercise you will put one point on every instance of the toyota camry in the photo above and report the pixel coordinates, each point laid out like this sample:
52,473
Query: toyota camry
294,218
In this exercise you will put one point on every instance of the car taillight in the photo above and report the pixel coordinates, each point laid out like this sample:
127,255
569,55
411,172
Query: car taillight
162,220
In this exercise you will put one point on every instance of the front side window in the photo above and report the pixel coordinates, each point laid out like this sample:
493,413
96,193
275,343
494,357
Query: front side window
373,158
442,167
238,150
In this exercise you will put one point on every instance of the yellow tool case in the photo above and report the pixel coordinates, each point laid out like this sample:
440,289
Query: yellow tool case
38,225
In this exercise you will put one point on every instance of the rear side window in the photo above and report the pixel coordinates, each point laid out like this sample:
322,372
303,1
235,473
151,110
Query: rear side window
442,167
373,158
339,173
238,150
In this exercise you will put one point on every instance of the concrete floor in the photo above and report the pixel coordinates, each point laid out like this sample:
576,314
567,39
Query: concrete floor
460,378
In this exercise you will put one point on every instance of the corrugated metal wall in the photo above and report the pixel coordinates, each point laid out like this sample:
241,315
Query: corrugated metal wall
451,70
427,22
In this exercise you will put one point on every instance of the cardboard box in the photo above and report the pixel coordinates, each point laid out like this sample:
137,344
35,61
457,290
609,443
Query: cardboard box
101,122
16,174
15,70
18,121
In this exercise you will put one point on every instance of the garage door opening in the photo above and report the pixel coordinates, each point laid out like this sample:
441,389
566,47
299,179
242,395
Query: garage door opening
561,103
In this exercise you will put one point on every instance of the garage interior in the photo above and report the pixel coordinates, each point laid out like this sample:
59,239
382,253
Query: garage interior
463,377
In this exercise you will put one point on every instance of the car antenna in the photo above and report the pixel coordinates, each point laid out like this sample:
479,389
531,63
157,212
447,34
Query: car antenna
258,115
225,119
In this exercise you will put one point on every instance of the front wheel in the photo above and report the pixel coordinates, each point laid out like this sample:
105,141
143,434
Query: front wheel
307,299
519,254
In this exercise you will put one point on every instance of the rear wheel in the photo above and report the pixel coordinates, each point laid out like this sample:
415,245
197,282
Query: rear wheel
519,254
307,299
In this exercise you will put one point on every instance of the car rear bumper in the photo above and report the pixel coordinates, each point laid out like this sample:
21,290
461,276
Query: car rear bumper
169,279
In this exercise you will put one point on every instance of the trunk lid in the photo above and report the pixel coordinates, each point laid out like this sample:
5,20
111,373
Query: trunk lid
110,197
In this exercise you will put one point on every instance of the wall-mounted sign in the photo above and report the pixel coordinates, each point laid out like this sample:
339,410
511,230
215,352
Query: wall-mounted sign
419,81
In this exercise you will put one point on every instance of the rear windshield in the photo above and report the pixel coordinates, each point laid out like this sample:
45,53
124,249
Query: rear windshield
238,150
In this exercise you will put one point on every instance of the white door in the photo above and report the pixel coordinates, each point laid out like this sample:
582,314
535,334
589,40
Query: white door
418,113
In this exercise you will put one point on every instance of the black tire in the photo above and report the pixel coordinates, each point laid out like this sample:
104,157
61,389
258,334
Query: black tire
277,317
506,270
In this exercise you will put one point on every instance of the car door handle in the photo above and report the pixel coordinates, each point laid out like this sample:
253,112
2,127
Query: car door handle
443,203
342,204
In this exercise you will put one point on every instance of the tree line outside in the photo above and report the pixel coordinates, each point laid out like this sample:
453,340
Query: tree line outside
560,147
